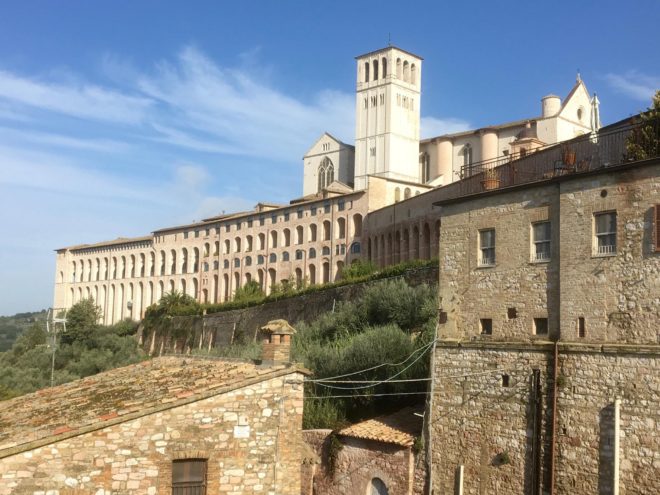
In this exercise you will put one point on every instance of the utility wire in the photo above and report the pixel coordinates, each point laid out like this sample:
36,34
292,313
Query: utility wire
372,368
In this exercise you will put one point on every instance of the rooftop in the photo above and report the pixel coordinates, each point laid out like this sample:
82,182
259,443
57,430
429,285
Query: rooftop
120,395
400,428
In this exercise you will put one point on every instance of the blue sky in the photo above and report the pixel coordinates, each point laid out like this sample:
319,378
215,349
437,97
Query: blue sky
117,118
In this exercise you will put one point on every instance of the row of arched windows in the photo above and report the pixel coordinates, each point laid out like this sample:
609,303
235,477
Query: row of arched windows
404,70
418,242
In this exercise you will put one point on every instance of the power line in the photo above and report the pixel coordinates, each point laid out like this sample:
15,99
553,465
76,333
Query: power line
376,381
372,368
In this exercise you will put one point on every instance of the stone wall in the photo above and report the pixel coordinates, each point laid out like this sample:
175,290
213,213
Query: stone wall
242,325
136,456
488,427
357,463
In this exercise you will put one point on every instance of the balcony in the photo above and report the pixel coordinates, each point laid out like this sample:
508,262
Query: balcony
625,144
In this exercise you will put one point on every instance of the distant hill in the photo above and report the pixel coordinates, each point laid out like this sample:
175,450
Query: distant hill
12,326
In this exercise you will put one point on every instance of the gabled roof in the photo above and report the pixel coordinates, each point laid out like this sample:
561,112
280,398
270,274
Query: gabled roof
327,134
388,47
120,395
400,428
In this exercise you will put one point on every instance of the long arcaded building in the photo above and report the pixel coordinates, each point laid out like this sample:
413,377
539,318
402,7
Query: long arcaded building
373,200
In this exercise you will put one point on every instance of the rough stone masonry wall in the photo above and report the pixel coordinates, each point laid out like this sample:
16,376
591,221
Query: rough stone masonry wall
618,296
357,463
242,325
136,456
470,292
476,419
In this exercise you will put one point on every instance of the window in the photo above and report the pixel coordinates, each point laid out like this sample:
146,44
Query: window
238,225
227,227
207,232
185,235
272,258
285,256
206,267
260,259
216,264
511,313
505,381
378,487
312,211
273,219
196,233
325,251
355,248
540,326
486,326
467,155
249,223
326,208
286,216
248,261
262,221
225,263
189,477
341,205
237,262
299,254
605,228
299,213
541,240
312,253
326,173
582,328
487,247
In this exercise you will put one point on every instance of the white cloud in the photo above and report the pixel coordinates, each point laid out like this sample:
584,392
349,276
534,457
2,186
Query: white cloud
432,127
634,84
84,101
48,139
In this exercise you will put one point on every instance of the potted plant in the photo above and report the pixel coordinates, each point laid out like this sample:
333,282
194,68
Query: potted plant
491,179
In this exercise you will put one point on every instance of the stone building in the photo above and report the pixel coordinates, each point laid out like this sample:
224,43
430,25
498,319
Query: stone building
169,425
546,371
377,456
381,190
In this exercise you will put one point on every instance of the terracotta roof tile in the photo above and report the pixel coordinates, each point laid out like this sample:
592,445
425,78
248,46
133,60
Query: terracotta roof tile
140,388
400,428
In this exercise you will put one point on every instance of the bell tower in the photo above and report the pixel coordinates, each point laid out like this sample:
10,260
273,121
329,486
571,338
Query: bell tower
387,115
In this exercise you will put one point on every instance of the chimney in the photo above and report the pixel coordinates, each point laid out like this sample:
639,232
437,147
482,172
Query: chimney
276,347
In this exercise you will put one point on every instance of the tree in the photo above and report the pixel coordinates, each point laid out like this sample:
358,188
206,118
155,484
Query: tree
249,292
644,140
81,321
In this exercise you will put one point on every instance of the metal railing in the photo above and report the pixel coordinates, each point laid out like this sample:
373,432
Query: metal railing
593,151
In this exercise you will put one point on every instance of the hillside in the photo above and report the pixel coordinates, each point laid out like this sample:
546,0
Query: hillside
13,326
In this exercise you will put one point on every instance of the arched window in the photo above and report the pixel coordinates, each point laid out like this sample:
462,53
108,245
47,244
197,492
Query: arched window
326,230
285,256
287,237
375,70
312,233
262,241
467,155
357,225
312,253
425,167
384,67
225,264
413,74
299,234
398,68
406,193
260,259
299,254
227,246
272,258
237,244
341,228
248,243
237,262
406,71
248,261
325,251
378,487
355,248
326,173
397,195
273,238
366,72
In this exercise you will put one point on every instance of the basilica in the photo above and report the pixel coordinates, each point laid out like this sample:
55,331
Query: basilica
369,200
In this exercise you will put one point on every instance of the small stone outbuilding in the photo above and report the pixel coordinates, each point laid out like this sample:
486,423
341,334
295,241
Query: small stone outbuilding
168,425
379,456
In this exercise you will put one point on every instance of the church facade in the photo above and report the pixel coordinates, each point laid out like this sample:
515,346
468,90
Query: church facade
372,200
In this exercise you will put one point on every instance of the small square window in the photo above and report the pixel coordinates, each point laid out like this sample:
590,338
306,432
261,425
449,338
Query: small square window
286,217
605,233
185,235
326,208
197,233
486,326
487,247
341,205
249,223
312,211
227,227
262,221
511,313
541,241
273,219
300,213
238,225
540,326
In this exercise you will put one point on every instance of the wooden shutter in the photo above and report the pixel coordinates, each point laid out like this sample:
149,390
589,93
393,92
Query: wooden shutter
656,224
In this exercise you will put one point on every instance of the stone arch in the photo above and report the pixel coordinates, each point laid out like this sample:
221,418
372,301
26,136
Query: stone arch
327,227
287,237
406,71
325,271
325,173
312,274
426,241
300,232
397,194
341,228
375,69
273,239
415,243
312,232
272,279
357,225
384,67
